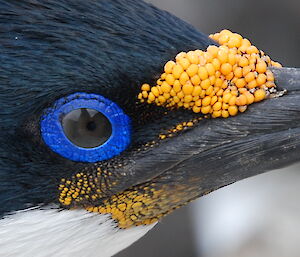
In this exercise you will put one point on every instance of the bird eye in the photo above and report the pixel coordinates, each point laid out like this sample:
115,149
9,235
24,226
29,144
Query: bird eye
86,128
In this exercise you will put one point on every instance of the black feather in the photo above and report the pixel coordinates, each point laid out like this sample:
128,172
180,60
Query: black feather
52,48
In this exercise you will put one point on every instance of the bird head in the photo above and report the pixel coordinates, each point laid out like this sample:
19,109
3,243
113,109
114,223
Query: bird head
67,67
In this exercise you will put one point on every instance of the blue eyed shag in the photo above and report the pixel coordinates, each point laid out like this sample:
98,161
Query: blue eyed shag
102,135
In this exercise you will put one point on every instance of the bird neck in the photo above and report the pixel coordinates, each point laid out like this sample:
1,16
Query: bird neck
53,232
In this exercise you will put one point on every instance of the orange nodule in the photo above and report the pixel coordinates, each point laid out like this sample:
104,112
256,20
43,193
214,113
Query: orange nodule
220,82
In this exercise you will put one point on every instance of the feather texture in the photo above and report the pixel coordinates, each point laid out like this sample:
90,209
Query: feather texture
50,232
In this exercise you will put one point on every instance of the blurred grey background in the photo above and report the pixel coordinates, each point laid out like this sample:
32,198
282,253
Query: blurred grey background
259,216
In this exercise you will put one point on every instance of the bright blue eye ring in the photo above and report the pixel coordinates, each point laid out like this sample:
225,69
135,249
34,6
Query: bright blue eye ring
54,136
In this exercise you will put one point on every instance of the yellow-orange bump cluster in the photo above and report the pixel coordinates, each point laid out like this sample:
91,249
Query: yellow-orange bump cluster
179,127
84,187
219,82
140,205
133,207
144,204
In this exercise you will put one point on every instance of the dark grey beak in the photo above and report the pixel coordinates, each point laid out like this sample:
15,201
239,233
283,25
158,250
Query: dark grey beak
218,152
266,137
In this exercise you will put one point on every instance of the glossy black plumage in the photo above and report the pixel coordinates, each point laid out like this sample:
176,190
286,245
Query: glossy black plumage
50,49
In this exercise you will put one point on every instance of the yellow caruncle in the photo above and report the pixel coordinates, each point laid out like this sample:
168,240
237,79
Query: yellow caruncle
219,82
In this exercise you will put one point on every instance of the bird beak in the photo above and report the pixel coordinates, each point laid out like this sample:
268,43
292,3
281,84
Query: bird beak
218,152
266,137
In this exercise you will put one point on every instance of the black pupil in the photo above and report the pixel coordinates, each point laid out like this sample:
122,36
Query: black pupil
86,128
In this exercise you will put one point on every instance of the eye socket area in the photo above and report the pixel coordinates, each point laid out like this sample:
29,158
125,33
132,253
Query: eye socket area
86,127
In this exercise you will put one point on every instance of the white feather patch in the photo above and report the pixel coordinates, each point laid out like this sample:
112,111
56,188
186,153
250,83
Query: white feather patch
67,233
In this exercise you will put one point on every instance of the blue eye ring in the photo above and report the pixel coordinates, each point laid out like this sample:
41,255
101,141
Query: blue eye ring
54,136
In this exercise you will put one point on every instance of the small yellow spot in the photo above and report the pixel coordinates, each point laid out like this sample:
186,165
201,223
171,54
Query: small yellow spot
206,109
233,110
192,57
183,61
261,67
177,71
222,56
205,84
146,87
259,95
187,89
169,67
203,73
261,79
162,137
226,68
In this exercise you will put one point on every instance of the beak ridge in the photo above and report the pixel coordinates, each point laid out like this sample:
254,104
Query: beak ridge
219,152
